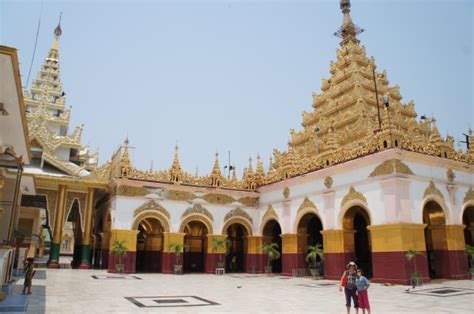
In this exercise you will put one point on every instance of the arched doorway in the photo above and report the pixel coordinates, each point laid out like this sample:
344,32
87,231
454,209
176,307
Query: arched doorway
272,234
72,235
435,219
357,238
196,240
235,260
309,233
149,245
468,222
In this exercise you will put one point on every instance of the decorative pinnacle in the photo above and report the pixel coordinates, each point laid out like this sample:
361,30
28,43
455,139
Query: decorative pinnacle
58,31
348,30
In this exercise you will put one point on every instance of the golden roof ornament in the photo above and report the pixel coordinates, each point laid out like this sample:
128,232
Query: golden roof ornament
175,171
348,30
216,174
125,163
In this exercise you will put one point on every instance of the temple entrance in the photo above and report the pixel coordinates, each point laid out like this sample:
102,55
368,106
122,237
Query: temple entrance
355,223
235,260
434,218
149,245
468,222
72,235
309,232
272,234
196,240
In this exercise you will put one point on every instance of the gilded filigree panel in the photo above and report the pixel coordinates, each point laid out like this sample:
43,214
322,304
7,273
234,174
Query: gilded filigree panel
198,209
353,195
238,212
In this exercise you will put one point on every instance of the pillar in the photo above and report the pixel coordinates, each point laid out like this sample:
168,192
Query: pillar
338,246
168,259
58,227
254,257
86,240
292,253
130,242
449,252
390,243
213,257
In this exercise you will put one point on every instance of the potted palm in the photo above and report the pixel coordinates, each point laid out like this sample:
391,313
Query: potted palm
219,245
470,255
315,251
416,277
177,249
271,249
119,250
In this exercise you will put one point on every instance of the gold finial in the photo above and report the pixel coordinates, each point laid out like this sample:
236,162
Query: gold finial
175,171
216,174
57,33
348,30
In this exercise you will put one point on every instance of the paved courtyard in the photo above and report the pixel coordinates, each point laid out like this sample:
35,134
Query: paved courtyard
96,291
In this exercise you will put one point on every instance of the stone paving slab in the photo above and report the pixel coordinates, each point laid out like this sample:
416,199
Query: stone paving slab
76,291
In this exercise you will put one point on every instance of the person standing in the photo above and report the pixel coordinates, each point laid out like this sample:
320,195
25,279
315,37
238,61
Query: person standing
362,284
348,282
29,273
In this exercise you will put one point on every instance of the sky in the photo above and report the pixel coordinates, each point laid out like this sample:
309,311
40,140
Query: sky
234,75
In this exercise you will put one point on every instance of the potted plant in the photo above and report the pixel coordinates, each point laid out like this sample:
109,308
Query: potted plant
315,251
470,255
219,245
177,249
119,250
416,277
271,249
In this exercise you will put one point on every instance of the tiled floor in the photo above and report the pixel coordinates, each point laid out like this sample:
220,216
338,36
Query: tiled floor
76,291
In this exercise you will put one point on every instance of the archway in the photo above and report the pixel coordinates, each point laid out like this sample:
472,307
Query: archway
356,237
196,240
149,245
272,234
72,235
236,235
468,222
435,219
309,233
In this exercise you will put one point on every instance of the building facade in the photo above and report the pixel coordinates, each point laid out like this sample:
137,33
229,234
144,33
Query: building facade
363,177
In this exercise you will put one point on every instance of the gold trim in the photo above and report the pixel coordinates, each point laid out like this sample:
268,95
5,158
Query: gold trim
249,201
307,204
469,196
197,217
391,166
238,212
198,209
270,212
220,199
450,175
176,195
286,192
328,182
237,220
353,195
152,205
432,190
125,190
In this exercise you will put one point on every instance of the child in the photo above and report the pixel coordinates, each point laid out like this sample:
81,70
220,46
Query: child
362,285
29,273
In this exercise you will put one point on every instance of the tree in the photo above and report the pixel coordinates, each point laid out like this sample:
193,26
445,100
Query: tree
119,250
411,255
314,251
271,249
218,245
177,249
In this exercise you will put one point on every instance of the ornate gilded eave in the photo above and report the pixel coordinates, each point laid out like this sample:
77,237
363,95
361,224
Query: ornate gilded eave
238,212
153,206
389,167
197,209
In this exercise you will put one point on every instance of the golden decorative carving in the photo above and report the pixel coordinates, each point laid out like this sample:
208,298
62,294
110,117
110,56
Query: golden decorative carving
307,204
200,218
238,212
249,201
134,191
286,192
154,206
469,195
353,195
220,199
176,195
81,197
198,209
270,212
450,175
51,197
432,190
328,182
390,166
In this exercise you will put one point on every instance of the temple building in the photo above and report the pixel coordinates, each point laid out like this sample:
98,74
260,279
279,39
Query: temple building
363,177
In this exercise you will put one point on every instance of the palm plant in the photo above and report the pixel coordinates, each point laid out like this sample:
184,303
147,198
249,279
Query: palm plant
271,249
177,249
219,245
411,255
314,251
470,255
119,250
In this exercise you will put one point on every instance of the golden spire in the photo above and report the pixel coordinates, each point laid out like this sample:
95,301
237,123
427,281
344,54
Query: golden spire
175,171
125,164
348,30
216,174
53,53
259,171
249,168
